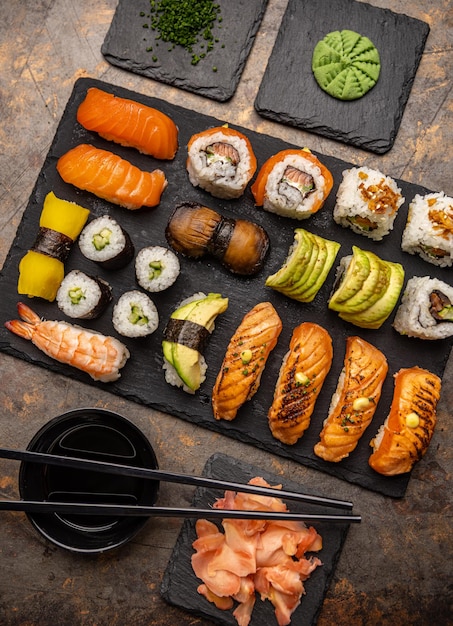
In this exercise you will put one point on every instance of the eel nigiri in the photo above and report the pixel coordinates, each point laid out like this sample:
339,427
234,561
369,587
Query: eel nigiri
355,400
407,432
240,374
221,161
129,123
95,354
293,183
111,178
302,375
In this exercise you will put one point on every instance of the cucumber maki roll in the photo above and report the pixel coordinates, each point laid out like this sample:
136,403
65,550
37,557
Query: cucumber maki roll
135,315
156,268
83,297
105,242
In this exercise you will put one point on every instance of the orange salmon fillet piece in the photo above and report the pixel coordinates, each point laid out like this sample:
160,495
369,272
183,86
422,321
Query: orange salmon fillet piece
304,369
111,178
239,377
354,401
129,123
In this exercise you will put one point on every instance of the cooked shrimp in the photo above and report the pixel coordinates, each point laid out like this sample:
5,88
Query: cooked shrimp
98,355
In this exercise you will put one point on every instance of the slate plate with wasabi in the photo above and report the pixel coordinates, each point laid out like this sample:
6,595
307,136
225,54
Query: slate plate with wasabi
370,122
211,66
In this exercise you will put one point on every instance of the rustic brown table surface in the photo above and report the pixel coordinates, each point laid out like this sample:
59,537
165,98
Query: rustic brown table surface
396,567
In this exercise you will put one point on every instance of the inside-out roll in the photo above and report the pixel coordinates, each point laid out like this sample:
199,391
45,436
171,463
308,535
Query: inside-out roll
426,309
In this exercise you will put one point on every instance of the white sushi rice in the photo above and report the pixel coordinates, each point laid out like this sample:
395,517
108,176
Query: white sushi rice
156,268
88,237
135,315
367,196
284,199
413,317
220,179
78,295
429,231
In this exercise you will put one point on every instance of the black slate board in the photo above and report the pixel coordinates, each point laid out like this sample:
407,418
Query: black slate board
127,40
179,585
142,379
290,94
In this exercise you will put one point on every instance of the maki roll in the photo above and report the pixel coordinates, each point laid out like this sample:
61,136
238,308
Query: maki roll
429,229
83,297
367,202
221,161
156,268
293,183
307,265
104,241
135,315
426,309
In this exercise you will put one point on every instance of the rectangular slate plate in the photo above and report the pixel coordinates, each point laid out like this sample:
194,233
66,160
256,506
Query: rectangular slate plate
127,45
290,94
142,378
179,585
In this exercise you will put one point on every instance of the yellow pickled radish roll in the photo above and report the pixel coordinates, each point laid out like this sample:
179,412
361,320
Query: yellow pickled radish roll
41,270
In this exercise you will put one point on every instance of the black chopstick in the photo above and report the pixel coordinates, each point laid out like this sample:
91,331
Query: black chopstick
37,506
161,475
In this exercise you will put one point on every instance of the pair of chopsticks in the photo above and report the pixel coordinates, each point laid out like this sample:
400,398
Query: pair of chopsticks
33,506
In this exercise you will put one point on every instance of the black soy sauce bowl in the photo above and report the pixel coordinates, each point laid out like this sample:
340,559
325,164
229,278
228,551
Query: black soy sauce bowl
101,435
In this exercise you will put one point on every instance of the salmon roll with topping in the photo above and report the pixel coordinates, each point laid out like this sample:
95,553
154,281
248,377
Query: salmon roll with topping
292,183
221,161
129,123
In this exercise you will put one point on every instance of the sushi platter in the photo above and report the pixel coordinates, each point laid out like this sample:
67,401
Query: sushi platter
142,378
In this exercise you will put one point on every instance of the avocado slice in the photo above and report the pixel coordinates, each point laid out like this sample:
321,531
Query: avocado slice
184,352
377,313
291,271
356,270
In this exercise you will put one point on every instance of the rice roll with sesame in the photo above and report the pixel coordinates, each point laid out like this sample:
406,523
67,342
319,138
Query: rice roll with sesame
429,229
135,315
426,309
105,242
83,297
156,268
221,161
293,183
367,202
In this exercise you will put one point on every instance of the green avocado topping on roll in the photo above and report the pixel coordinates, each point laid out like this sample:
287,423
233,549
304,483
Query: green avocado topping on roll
346,65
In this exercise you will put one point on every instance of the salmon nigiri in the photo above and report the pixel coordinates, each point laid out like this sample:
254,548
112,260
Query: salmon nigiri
111,178
406,433
354,401
129,123
304,369
249,348
293,183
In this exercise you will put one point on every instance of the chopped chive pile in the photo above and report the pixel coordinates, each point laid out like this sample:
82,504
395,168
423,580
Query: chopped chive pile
184,23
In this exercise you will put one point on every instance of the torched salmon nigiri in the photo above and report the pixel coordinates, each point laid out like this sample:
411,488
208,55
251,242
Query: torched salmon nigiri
98,355
406,433
129,123
111,178
354,401
304,369
249,348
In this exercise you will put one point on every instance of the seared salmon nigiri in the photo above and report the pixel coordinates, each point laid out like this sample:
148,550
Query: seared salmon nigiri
304,369
406,433
239,377
354,401
111,178
129,123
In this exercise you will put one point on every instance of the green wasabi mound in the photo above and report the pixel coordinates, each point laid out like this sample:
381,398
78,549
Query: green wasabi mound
346,65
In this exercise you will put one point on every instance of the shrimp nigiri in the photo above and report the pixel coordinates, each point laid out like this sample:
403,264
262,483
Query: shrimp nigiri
129,123
354,401
407,432
110,177
249,348
304,369
98,355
